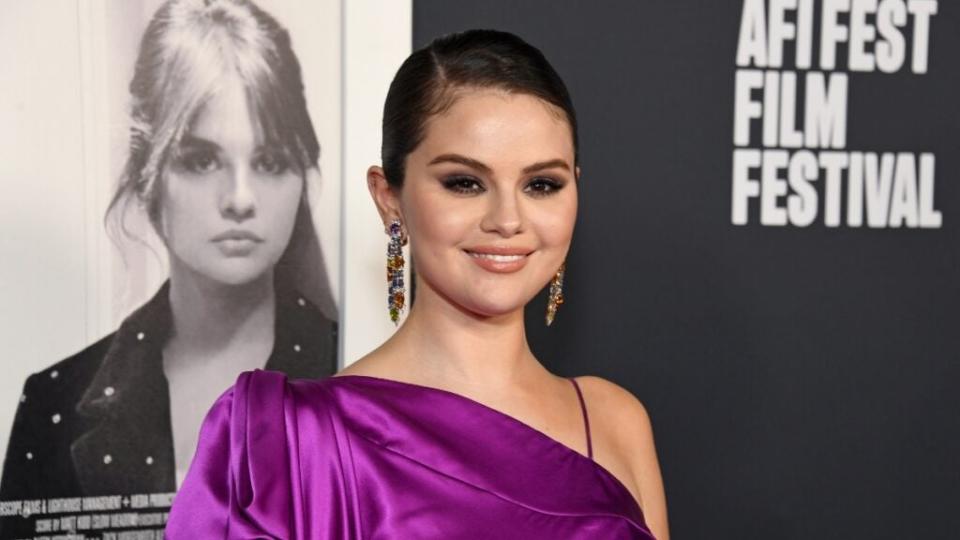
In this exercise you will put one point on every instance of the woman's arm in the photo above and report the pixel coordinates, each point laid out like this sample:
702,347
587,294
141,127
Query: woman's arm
624,439
645,466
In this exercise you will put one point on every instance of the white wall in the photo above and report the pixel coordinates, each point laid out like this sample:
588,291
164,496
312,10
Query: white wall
377,38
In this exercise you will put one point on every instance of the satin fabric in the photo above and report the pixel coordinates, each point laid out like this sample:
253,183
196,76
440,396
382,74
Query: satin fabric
360,457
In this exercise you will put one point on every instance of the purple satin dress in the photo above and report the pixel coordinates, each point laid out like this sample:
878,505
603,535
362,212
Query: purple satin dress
361,457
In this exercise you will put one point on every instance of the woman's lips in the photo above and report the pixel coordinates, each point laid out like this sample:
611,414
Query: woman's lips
499,260
236,243
237,234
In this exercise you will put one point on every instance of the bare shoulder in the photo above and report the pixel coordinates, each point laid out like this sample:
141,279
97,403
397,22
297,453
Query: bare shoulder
624,444
614,405
620,422
373,364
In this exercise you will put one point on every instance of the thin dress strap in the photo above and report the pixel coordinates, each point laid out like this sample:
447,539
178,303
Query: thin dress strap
586,419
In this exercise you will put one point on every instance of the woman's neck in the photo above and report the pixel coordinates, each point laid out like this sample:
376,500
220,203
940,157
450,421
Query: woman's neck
211,317
441,345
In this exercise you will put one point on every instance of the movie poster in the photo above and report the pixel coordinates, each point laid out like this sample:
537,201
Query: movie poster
172,175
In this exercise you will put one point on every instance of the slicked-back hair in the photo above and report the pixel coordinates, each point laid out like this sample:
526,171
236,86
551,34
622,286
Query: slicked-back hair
428,80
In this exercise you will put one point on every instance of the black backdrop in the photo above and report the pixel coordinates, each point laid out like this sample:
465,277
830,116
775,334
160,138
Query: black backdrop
802,380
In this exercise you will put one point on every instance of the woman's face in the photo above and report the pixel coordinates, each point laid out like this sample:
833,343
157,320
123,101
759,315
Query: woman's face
229,199
489,200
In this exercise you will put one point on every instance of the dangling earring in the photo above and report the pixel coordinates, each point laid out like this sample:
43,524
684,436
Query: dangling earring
556,294
395,289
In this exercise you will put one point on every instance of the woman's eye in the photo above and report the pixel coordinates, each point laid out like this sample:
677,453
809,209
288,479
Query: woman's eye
543,186
463,184
200,162
271,163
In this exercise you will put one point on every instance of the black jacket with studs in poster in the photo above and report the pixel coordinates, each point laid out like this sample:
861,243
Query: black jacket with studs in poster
98,423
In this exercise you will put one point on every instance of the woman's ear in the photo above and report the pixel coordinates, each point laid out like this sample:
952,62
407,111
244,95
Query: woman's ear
384,196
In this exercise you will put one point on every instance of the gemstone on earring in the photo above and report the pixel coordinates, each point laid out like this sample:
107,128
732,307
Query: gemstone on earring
395,263
555,296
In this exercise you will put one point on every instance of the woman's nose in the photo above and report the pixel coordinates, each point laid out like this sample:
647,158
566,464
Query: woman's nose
504,215
238,200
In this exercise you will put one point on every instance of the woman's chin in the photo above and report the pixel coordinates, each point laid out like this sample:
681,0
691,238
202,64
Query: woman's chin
234,273
483,300
493,308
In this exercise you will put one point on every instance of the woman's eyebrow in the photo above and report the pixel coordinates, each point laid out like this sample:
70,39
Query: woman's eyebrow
480,166
192,141
549,164
462,160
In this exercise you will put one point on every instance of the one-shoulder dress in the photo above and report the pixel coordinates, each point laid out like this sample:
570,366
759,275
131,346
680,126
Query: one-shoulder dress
357,457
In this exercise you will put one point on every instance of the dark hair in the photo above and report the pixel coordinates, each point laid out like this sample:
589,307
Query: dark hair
187,53
427,81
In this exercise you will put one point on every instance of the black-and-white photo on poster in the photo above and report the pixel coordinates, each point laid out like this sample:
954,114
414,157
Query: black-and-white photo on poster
166,169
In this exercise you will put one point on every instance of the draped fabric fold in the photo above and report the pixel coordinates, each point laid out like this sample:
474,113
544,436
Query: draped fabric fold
360,457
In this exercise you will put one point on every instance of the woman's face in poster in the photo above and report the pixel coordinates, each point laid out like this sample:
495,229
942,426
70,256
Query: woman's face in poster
229,199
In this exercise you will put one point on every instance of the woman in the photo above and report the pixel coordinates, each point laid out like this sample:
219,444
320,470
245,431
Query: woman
221,147
451,429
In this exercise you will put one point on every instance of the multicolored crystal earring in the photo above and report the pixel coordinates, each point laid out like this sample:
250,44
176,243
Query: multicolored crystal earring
395,290
555,297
